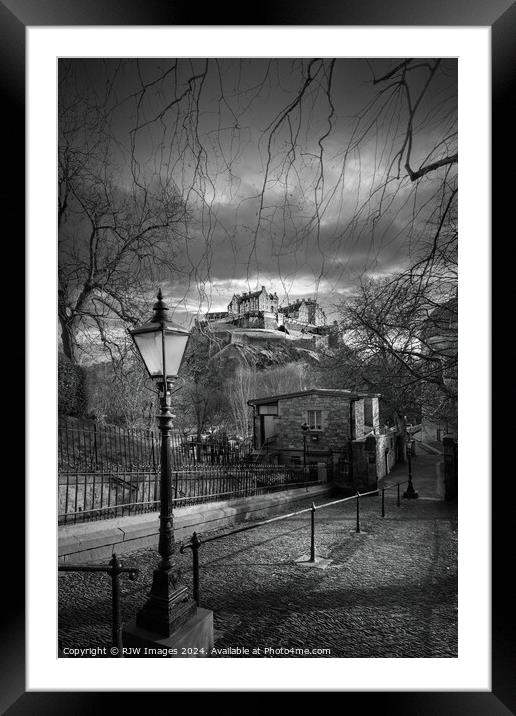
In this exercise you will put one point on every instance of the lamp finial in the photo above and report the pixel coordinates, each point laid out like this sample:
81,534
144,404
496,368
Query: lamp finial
159,309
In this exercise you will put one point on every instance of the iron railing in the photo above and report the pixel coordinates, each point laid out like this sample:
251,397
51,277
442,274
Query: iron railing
85,496
88,447
114,569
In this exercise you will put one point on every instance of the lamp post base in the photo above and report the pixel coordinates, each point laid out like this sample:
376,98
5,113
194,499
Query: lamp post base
410,493
194,639
168,606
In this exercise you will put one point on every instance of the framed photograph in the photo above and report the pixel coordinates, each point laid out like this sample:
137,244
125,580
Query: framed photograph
268,218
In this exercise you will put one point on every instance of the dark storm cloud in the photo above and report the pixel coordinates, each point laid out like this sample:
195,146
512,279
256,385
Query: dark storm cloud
330,259
284,232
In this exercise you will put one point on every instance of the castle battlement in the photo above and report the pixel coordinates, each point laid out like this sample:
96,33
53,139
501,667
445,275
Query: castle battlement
260,309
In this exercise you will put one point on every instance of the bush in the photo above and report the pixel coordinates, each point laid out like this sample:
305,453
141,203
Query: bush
71,398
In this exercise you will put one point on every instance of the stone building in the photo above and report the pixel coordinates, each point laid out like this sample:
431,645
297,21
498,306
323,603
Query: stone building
252,302
306,311
260,309
341,431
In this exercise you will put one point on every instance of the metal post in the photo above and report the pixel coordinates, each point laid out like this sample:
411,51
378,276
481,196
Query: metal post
312,540
398,503
114,569
383,501
196,543
166,529
410,493
168,605
116,566
358,512
95,445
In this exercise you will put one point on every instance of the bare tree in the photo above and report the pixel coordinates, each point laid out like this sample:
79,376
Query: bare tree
401,341
326,176
201,398
240,389
386,169
117,231
246,382
339,177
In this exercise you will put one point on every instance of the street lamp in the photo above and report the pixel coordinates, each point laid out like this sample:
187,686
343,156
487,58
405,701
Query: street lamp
410,493
162,345
305,428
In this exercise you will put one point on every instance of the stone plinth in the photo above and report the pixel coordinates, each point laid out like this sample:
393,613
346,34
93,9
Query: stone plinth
192,640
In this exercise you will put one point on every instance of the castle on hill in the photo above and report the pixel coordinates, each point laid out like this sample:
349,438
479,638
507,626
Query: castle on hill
261,310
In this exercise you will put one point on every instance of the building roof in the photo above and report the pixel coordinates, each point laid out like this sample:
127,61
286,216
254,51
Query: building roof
296,304
251,294
313,391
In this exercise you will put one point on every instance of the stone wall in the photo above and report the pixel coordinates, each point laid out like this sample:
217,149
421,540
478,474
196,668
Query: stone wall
373,459
335,433
96,541
359,419
385,457
296,325
269,320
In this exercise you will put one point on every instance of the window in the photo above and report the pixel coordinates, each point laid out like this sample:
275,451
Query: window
314,419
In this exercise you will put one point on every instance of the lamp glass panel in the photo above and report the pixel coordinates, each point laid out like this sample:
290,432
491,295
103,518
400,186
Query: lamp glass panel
175,346
149,345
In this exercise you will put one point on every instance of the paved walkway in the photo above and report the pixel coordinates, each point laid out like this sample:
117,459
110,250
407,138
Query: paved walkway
424,475
390,591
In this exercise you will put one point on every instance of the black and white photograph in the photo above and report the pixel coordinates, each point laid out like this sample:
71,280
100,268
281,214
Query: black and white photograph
257,307
246,253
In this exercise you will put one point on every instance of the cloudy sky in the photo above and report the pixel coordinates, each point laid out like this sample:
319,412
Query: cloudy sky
287,167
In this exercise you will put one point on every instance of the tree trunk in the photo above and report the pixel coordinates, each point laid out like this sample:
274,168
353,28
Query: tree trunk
68,339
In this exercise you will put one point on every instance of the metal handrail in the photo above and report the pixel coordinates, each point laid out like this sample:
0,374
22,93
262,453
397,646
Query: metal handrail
114,569
196,541
280,517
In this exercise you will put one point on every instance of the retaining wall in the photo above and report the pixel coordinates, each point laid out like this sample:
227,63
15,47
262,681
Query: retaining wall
96,541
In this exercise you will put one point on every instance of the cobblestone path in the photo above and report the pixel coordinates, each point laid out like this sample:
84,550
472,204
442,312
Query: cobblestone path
390,591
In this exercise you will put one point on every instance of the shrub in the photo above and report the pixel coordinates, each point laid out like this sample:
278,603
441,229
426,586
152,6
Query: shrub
71,388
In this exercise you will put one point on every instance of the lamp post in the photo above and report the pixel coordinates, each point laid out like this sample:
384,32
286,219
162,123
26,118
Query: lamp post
162,345
305,428
410,493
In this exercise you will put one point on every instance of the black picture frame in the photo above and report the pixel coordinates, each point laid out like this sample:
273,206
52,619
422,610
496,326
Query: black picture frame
500,15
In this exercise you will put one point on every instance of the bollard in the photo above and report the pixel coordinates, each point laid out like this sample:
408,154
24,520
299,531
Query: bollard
115,570
383,501
196,543
312,539
398,503
358,512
